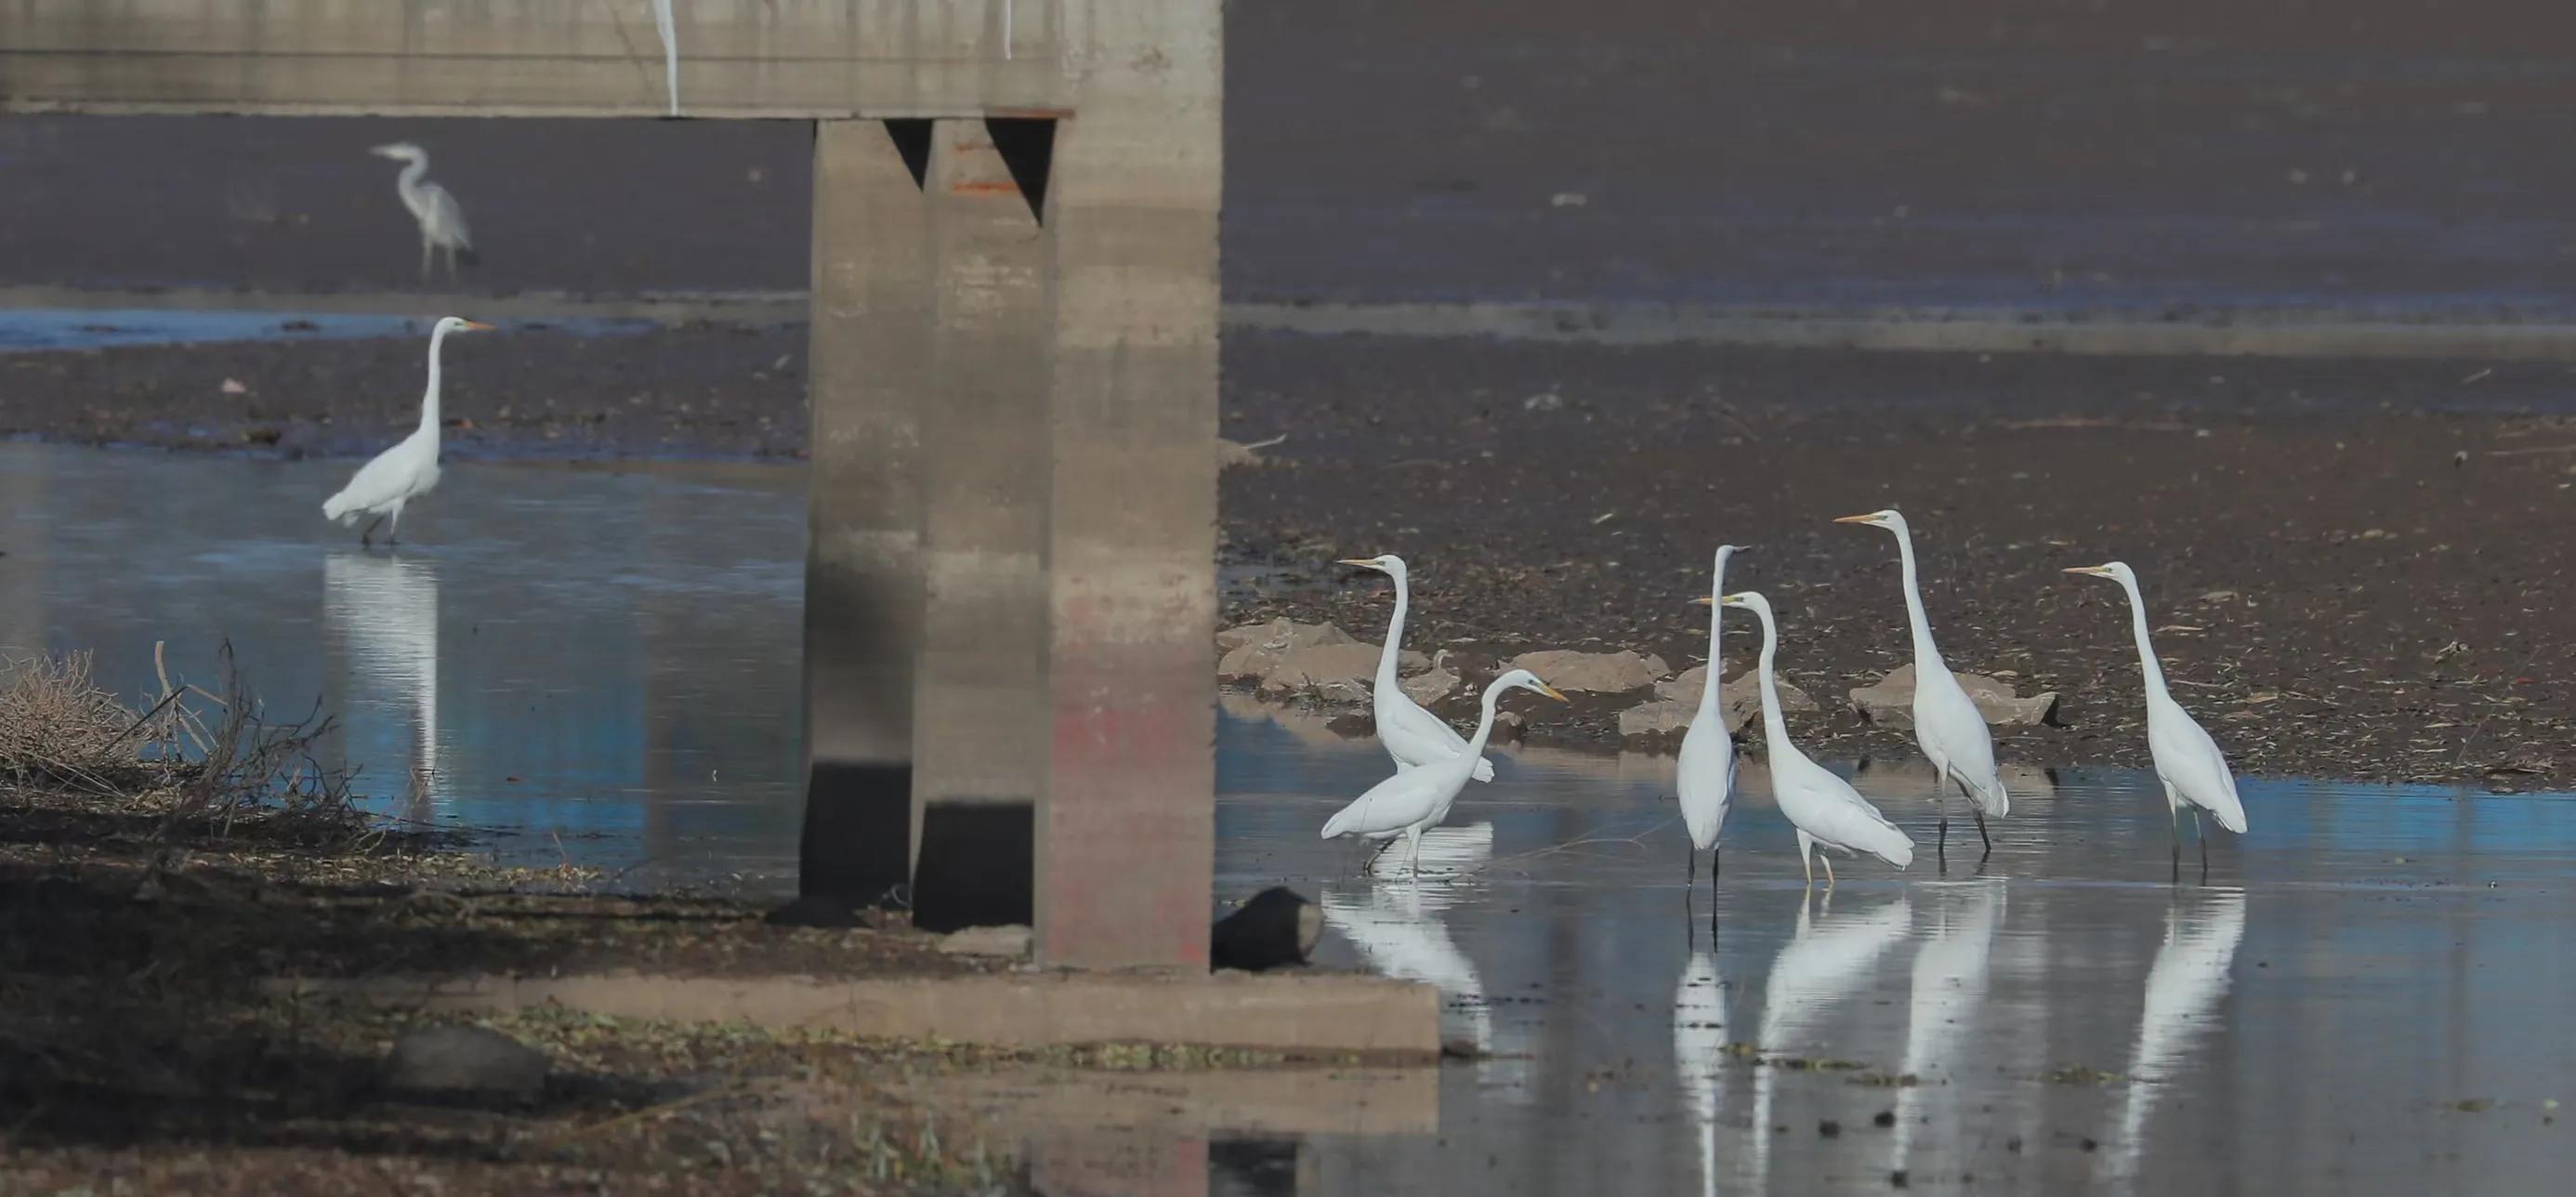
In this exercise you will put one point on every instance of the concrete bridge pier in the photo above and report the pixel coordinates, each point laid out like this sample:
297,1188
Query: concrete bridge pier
1011,586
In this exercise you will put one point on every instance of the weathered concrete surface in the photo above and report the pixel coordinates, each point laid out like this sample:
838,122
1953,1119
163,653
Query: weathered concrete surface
1126,834
979,760
873,379
737,58
1320,1013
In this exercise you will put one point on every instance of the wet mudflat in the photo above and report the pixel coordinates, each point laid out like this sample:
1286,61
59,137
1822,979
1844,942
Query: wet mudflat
597,668
2353,1001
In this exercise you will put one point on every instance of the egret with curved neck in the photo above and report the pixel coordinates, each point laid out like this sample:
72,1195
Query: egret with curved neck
1417,799
1948,727
2188,762
441,218
1704,777
1413,736
409,469
1824,808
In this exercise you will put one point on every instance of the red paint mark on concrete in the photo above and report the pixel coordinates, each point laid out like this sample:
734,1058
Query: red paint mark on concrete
981,187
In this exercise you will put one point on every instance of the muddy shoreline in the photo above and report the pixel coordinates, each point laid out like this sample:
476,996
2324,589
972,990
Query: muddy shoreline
2349,562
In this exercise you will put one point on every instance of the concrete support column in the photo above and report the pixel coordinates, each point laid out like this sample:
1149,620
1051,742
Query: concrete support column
979,731
871,381
1126,831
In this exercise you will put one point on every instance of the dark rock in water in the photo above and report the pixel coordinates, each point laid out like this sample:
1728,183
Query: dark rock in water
1885,1118
1829,1128
816,910
1276,927
465,1062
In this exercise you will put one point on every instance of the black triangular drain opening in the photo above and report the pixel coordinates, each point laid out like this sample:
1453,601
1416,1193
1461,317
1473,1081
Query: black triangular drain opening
1027,146
912,140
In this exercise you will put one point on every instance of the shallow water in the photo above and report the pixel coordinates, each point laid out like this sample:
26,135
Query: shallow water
23,329
602,666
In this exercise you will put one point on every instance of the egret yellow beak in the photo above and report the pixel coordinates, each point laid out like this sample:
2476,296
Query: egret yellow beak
1553,692
1362,562
1704,602
1732,600
477,326
1870,518
2095,570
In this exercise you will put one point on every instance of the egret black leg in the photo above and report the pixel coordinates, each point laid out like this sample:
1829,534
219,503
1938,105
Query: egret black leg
1981,830
366,535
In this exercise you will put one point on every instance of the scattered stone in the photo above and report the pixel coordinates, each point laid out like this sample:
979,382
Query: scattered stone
1890,703
1432,685
466,1062
1235,454
1543,401
1897,1179
1009,941
1334,673
1509,727
1592,673
1830,1129
1459,1047
1678,703
1258,648
1276,927
1885,1118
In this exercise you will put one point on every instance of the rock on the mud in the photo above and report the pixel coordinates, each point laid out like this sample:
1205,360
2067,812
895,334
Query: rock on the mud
1891,701
1741,695
1332,673
1658,719
1011,941
1432,685
1592,673
1256,649
468,1062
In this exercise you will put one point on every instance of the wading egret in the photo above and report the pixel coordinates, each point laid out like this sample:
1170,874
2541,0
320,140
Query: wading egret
1418,798
2187,760
442,219
1947,725
1705,775
1412,735
1824,808
409,469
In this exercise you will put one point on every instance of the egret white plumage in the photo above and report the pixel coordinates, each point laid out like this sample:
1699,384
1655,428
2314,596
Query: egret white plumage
442,219
2188,762
1947,725
1418,798
1824,808
409,469
1704,777
1412,735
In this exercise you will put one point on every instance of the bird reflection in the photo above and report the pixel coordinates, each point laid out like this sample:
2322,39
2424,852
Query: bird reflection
1827,959
1396,926
1699,1051
2184,987
1949,989
384,611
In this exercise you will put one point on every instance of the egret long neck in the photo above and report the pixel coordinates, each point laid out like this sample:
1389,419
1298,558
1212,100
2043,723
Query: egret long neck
1394,639
1775,726
429,398
2147,664
407,184
1466,761
1925,652
1716,620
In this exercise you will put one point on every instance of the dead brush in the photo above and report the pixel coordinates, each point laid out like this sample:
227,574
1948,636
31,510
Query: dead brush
207,764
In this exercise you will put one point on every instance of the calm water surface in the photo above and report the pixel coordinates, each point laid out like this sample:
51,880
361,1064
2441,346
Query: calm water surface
2369,994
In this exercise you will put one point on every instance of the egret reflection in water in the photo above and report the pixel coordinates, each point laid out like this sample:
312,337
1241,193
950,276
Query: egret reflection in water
1397,928
1699,1052
1827,961
1948,994
382,613
2184,987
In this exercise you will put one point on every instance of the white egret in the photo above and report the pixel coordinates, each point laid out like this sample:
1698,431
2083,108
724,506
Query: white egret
1947,725
1704,777
1418,798
407,470
1824,808
1412,735
2187,760
442,219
